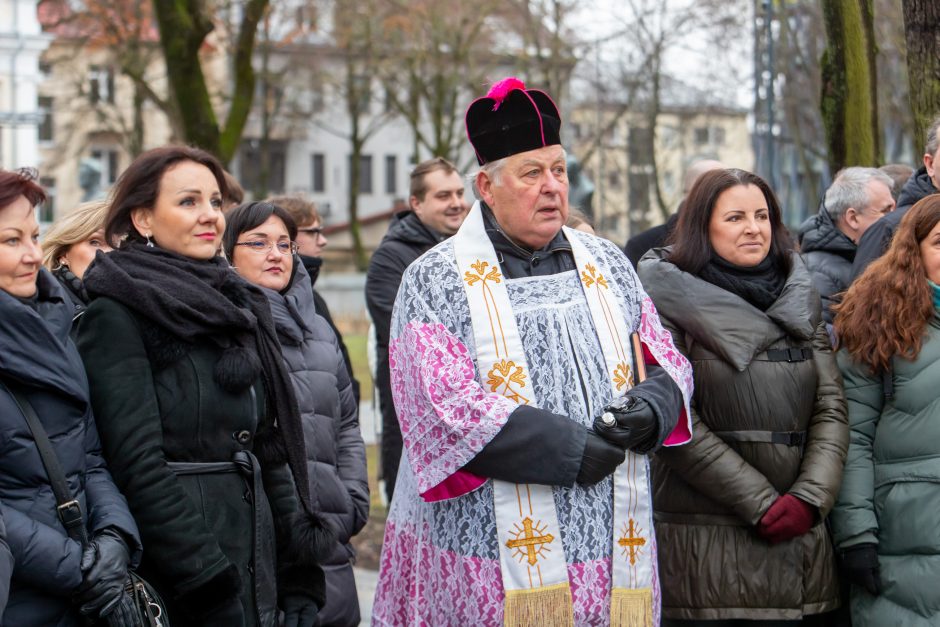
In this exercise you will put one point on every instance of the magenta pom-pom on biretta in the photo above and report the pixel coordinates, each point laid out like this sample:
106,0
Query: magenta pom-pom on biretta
501,89
511,119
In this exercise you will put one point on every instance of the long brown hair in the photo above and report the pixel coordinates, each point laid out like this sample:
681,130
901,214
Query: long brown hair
886,310
691,246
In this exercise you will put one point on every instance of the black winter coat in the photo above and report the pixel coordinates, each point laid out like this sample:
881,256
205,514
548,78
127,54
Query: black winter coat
406,240
6,567
336,456
209,535
37,355
877,238
828,255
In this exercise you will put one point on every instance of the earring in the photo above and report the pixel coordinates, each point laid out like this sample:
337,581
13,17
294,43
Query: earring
149,241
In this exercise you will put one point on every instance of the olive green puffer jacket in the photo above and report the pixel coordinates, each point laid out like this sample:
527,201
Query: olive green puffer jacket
751,409
891,492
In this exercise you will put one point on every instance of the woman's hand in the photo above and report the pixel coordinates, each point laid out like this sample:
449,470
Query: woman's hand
299,611
104,572
788,518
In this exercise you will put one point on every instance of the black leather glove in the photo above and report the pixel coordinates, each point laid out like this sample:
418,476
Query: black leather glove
299,611
630,423
860,566
104,571
599,459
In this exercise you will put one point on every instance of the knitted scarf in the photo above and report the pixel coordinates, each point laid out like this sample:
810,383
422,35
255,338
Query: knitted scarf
206,300
759,285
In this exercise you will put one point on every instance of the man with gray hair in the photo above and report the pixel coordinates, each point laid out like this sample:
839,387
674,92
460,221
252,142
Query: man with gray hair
924,182
857,199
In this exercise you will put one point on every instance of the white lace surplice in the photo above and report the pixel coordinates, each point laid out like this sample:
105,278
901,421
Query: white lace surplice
440,562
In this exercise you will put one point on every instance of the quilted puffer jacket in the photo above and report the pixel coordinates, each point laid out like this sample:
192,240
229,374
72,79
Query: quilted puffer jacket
769,418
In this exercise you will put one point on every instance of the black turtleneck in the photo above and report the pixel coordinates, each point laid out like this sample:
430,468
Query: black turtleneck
518,261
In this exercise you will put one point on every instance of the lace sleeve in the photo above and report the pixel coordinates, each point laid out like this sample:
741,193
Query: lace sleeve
446,416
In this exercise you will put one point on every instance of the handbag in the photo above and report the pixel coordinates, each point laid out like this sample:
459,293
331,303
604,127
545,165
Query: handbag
143,606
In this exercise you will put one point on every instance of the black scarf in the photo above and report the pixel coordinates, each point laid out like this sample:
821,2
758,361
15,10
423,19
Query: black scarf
312,265
759,285
72,283
208,300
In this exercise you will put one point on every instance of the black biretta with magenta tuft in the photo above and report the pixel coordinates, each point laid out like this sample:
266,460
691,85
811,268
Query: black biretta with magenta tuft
511,119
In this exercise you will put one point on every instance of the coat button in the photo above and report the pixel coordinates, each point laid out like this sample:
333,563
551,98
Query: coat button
535,261
242,437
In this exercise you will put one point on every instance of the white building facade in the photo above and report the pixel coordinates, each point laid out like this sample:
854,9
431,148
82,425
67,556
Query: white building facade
21,114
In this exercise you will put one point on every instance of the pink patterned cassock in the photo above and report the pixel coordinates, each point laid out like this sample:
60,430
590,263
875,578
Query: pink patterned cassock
440,561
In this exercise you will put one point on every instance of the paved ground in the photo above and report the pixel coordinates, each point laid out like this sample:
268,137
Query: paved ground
365,585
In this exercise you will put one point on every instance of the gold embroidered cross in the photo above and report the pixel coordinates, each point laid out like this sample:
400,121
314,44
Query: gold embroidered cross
632,541
530,540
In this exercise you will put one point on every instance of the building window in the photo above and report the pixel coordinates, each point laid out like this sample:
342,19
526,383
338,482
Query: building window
718,135
108,161
391,174
701,136
639,145
319,172
101,85
251,160
365,173
613,179
45,123
47,209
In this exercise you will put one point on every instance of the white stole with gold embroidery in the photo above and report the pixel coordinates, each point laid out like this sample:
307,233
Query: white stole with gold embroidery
532,559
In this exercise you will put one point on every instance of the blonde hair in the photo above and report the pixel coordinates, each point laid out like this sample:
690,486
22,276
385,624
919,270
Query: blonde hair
72,228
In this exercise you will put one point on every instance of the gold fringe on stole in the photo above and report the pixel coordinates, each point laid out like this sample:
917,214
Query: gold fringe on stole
631,608
549,606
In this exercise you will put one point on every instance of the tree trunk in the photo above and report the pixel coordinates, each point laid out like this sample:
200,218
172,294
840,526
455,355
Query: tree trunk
354,101
183,27
922,32
849,108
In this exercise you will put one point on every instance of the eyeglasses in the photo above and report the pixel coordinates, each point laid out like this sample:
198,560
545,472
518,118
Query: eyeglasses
263,246
315,231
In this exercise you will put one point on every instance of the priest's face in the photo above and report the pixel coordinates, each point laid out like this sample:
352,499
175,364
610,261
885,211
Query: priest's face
529,195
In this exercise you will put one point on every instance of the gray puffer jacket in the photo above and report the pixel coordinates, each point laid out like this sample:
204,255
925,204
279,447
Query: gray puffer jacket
828,254
336,458
769,418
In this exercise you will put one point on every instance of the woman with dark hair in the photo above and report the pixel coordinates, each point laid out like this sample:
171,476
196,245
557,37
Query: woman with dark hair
196,412
739,511
41,372
259,240
885,519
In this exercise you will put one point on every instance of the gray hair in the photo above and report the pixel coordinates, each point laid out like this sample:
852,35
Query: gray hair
933,142
850,189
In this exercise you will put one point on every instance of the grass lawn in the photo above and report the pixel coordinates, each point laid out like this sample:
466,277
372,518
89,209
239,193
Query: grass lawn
356,345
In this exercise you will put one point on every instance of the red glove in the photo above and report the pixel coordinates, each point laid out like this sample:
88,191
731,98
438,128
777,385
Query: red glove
787,518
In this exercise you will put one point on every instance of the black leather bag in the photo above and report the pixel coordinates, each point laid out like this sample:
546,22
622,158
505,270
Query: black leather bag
142,606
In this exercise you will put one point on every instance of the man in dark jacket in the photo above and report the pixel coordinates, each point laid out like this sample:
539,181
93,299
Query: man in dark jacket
924,182
857,198
656,237
437,211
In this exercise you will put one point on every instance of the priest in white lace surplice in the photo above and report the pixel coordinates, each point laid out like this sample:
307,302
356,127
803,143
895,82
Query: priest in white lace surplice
508,342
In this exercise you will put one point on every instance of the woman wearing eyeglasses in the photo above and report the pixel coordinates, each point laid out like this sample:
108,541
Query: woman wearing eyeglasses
310,244
196,411
259,240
